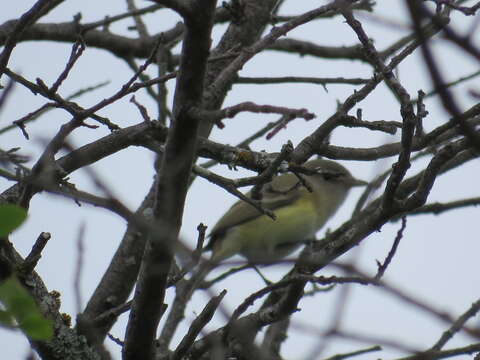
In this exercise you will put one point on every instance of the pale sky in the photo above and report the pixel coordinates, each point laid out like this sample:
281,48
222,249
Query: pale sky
437,260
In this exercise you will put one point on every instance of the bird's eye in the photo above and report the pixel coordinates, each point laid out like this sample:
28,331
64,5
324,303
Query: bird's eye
329,175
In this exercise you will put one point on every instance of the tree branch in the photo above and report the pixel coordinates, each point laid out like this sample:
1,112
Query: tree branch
172,185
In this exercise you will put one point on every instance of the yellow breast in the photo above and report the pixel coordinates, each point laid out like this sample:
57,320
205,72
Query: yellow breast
264,239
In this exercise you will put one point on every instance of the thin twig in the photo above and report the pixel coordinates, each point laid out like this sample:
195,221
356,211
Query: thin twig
383,267
79,268
354,353
456,326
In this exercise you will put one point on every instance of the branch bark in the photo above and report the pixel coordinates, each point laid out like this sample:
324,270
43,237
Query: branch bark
172,183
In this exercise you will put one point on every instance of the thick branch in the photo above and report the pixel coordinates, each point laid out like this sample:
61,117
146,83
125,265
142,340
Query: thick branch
172,186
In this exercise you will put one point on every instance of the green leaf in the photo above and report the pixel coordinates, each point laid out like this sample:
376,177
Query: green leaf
11,217
20,305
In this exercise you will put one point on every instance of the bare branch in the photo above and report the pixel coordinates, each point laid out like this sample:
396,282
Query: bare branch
197,325
79,268
183,7
171,185
27,19
438,208
230,112
383,267
300,79
34,256
354,353
456,326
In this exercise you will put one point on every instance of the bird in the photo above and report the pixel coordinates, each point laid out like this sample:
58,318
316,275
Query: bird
300,211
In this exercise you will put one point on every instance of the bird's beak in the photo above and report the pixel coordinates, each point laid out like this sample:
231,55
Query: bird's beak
356,182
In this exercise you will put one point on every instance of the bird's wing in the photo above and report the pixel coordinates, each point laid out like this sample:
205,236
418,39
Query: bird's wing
283,190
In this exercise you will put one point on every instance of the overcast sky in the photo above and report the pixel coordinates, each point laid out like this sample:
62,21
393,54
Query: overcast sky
437,260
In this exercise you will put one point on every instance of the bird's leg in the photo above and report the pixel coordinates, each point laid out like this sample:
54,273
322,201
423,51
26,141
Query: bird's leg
267,282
